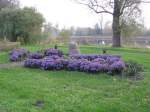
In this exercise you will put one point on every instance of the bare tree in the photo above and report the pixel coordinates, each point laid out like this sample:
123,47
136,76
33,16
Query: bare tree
117,8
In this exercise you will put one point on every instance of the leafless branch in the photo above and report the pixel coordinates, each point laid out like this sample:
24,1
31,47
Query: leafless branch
98,7
95,6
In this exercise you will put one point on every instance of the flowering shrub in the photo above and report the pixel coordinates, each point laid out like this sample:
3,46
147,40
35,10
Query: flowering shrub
52,57
117,66
84,65
96,67
35,56
73,64
52,51
18,54
21,54
33,63
52,64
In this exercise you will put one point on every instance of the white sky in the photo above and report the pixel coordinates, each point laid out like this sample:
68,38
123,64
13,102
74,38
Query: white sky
67,13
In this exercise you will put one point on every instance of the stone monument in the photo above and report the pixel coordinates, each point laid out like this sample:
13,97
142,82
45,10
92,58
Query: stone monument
73,48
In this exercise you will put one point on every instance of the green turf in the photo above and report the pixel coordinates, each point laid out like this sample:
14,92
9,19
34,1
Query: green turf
64,91
4,57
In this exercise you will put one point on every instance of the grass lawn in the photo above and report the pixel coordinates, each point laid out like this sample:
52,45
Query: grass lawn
64,91
4,57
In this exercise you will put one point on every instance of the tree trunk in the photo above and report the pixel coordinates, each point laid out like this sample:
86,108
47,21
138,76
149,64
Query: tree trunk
116,25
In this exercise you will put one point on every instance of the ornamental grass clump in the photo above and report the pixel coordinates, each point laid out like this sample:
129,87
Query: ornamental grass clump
18,54
132,68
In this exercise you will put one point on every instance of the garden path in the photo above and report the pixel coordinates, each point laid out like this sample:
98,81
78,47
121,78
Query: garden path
9,65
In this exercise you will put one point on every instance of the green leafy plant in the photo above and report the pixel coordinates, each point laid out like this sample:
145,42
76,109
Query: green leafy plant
133,68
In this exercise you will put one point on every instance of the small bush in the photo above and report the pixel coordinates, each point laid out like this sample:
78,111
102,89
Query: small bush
53,51
18,55
35,55
132,68
33,63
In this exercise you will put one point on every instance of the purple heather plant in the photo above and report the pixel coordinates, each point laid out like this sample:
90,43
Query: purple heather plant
18,54
52,64
33,63
95,67
53,51
91,57
47,64
117,66
53,57
85,66
100,60
35,55
73,64
112,60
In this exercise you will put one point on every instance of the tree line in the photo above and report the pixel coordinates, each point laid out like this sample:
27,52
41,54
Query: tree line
19,24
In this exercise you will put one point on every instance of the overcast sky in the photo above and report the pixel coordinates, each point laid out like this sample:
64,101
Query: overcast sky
66,13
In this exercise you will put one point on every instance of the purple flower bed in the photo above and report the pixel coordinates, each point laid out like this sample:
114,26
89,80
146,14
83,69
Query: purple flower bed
18,54
53,59
84,63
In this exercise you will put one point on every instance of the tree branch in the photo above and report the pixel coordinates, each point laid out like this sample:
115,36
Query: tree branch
97,8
